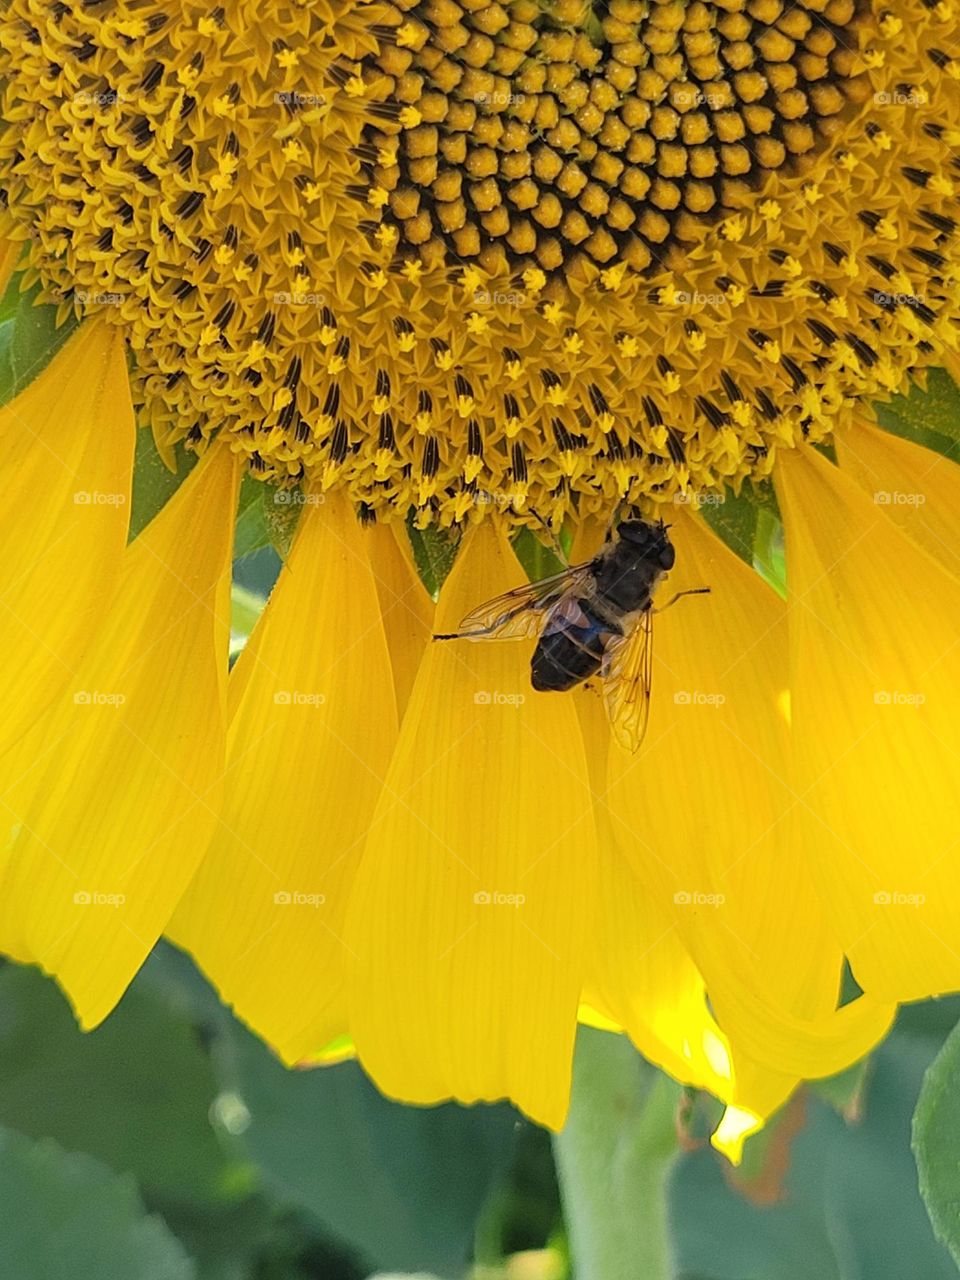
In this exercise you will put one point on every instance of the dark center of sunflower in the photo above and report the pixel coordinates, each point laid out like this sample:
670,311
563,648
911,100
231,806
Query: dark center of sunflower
542,130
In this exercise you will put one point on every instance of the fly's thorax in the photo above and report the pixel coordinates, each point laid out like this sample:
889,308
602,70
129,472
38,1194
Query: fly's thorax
624,578
630,566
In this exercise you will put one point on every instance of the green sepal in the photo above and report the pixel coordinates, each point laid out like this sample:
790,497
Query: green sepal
29,338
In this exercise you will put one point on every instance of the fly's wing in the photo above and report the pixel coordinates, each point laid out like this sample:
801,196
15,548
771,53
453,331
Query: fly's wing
524,612
627,672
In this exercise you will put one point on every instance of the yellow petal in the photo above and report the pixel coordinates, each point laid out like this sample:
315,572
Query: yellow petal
876,716
10,251
66,450
473,902
130,794
639,974
915,487
311,736
703,812
406,608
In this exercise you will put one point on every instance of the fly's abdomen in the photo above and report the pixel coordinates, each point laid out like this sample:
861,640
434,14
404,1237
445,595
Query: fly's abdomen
570,655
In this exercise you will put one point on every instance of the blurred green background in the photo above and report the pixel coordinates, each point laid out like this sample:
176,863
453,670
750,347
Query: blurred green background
171,1145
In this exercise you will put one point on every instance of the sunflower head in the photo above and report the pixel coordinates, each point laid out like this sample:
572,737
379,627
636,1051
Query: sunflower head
533,257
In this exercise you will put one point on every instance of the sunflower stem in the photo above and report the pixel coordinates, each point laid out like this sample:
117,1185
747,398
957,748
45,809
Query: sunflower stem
614,1158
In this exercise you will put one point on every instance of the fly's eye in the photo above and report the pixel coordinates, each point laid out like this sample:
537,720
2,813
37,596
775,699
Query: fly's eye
667,556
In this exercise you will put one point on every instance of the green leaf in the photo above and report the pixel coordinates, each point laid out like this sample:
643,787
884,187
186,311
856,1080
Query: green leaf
268,517
252,532
29,339
749,523
245,608
734,519
136,1093
404,1186
936,1143
154,484
252,1240
539,559
282,509
769,551
434,551
930,416
10,301
614,1158
65,1215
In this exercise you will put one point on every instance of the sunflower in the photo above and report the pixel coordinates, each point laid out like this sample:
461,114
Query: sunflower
486,268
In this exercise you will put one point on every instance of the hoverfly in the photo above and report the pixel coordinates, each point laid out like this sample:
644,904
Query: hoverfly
592,617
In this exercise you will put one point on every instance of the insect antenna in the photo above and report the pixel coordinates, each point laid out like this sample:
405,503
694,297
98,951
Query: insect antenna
691,591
